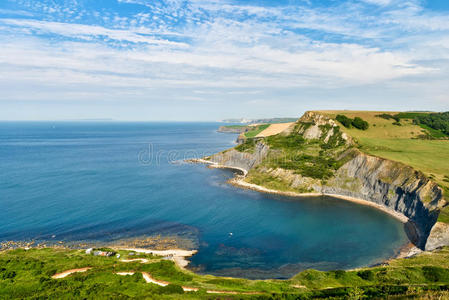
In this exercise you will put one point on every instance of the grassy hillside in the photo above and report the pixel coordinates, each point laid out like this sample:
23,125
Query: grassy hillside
404,143
28,274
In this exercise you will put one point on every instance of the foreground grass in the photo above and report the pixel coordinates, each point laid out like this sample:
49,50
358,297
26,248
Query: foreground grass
27,274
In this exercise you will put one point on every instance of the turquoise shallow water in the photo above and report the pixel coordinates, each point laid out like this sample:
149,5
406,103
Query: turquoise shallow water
107,181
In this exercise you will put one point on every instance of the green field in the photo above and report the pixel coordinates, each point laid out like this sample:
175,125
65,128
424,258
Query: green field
256,130
26,274
235,126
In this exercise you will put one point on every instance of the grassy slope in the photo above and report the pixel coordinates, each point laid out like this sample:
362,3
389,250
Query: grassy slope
257,129
27,274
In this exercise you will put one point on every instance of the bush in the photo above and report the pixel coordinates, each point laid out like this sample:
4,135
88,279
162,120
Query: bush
285,142
388,117
8,274
171,289
435,121
339,274
359,123
435,274
344,120
366,275
248,145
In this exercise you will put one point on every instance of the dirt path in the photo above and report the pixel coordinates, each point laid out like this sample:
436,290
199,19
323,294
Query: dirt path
125,273
179,256
274,129
150,279
142,260
68,272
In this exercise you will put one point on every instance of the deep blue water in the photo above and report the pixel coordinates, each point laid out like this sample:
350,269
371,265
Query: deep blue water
105,181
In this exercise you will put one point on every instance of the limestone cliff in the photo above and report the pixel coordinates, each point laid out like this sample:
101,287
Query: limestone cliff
391,184
243,160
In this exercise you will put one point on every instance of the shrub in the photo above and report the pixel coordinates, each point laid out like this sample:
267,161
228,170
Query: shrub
8,274
285,142
344,120
438,122
171,289
366,275
339,274
435,274
359,123
388,117
248,145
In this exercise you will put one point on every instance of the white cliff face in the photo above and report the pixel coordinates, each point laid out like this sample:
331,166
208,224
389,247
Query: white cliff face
314,131
391,184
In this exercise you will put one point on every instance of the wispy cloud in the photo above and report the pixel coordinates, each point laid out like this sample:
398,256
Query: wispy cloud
192,47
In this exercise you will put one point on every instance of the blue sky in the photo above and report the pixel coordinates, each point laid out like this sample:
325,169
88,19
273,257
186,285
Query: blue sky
209,60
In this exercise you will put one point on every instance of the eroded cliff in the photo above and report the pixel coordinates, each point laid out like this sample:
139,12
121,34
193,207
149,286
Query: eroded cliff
316,156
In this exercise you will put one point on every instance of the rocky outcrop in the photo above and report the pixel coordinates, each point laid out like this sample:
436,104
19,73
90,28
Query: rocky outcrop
438,237
242,160
313,124
231,129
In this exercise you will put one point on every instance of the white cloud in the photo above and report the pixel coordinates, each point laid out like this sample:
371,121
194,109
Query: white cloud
86,31
238,50
378,2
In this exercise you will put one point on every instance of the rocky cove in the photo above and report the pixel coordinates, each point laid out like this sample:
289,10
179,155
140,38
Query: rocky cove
387,184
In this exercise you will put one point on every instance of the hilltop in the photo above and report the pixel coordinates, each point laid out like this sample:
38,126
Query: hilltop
399,138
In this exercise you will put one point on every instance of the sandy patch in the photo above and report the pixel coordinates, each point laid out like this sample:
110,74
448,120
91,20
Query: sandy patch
142,260
124,273
189,289
68,272
179,256
274,129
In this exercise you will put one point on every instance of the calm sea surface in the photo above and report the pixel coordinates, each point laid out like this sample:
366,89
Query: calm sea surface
108,181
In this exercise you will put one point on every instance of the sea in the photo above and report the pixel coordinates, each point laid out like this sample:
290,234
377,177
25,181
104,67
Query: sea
103,182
